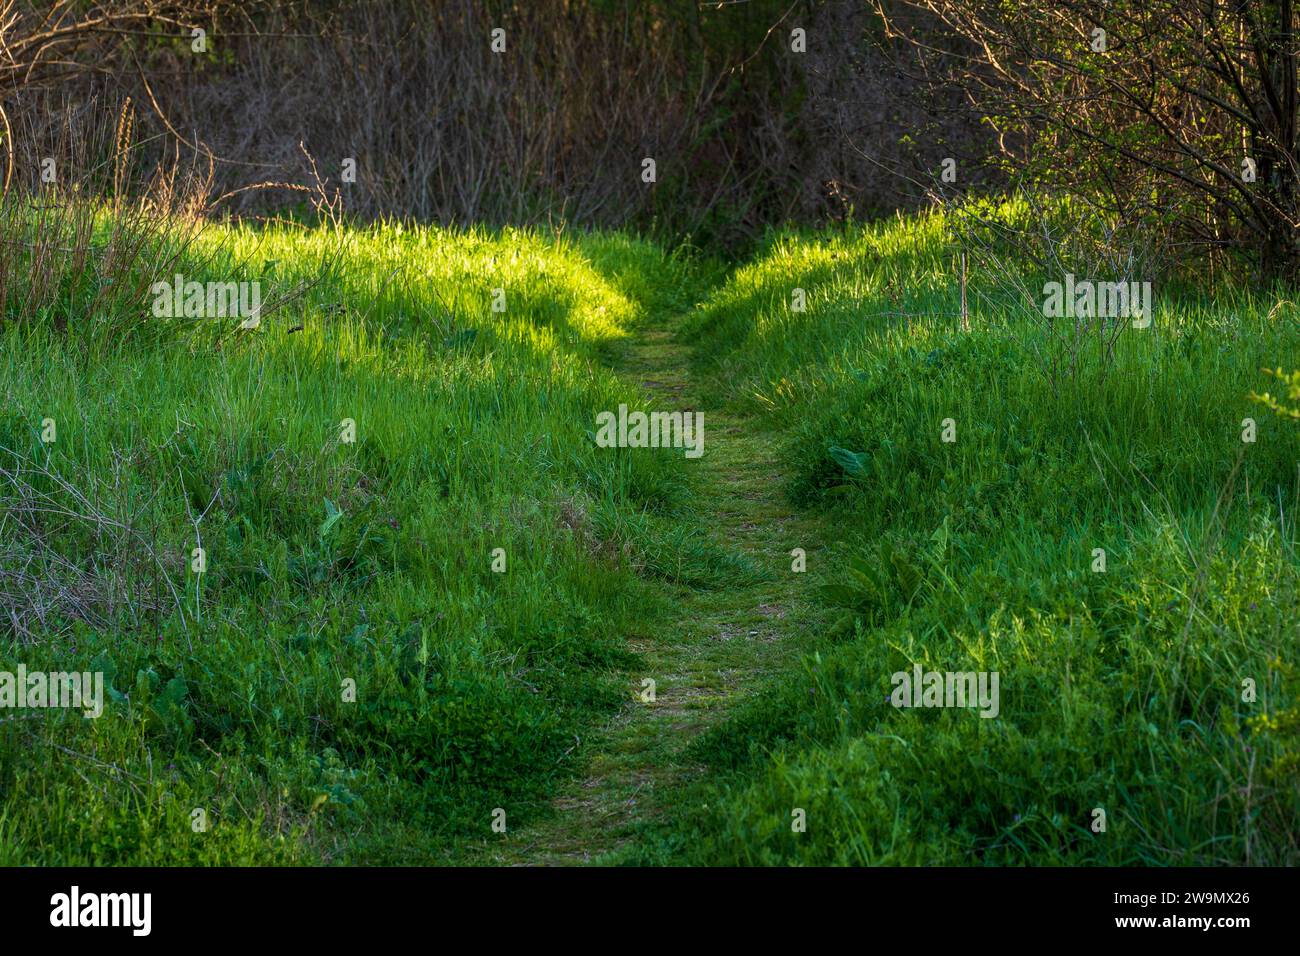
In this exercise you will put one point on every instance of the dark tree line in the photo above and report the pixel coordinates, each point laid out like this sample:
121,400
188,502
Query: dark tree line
1179,115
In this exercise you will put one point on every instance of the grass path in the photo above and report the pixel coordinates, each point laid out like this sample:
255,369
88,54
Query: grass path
717,649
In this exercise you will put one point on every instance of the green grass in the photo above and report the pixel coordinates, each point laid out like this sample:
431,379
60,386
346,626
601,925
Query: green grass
1120,690
371,561
328,561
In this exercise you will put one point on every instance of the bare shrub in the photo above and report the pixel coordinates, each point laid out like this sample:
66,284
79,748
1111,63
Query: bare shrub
1182,114
440,127
82,249
68,555
878,127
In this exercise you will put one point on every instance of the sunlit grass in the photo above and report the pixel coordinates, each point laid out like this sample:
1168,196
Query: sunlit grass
1123,689
335,556
471,435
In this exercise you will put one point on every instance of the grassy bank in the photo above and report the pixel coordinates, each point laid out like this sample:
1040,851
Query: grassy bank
427,598
1156,682
333,558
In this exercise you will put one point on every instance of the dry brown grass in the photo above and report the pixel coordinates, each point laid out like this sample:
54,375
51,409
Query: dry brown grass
68,556
87,227
744,131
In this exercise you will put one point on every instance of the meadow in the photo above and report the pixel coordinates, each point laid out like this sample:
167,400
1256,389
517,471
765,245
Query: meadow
427,594
1119,545
328,557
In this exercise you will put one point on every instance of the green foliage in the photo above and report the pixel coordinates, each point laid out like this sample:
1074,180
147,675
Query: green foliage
1121,689
367,564
331,562
1289,381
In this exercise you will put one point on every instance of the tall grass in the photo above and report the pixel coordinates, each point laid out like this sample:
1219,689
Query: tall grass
354,676
327,561
1160,689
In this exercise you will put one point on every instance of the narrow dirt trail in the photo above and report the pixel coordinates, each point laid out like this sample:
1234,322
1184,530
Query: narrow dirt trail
716,651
